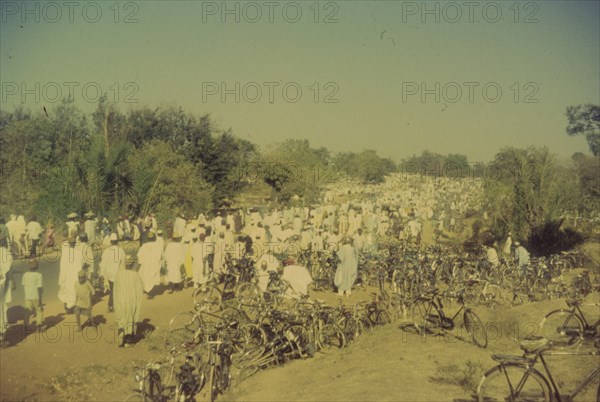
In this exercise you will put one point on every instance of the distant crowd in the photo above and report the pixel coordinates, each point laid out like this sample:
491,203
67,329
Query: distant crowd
194,250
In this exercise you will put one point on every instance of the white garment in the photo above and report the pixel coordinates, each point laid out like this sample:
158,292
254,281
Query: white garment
71,262
34,229
199,251
5,264
149,257
111,260
299,278
174,257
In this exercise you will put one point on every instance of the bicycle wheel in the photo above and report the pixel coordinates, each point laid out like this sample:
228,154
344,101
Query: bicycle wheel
255,340
382,317
425,316
351,327
248,294
562,327
231,314
299,335
475,328
207,299
512,382
330,336
183,327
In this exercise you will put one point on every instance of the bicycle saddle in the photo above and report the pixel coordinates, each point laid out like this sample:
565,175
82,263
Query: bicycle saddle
512,359
535,344
573,302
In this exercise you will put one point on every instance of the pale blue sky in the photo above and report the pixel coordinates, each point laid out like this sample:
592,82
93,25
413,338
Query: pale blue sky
370,57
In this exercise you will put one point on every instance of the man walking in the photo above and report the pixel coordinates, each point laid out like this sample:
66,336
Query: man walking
33,287
111,260
34,230
128,294
71,262
150,259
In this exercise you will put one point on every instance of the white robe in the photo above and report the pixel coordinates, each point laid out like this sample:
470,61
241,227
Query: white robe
112,258
71,262
5,297
200,253
149,257
174,257
299,278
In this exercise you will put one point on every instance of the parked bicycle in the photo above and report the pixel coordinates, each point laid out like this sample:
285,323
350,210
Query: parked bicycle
516,378
428,314
565,328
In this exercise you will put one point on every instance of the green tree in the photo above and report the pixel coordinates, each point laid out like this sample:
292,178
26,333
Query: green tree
585,120
165,182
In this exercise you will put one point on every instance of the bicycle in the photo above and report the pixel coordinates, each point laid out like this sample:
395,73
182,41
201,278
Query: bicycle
219,363
428,313
515,378
155,377
565,328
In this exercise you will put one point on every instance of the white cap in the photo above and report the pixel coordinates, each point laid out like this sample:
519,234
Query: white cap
113,237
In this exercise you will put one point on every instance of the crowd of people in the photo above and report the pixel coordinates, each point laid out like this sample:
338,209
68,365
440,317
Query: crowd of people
130,259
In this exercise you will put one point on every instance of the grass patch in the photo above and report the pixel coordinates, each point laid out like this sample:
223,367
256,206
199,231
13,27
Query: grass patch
80,383
466,376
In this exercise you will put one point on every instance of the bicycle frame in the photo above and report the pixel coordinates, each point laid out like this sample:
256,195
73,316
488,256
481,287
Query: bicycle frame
581,386
586,326
552,384
440,307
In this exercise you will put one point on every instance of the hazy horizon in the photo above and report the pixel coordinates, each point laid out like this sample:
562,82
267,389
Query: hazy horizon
373,75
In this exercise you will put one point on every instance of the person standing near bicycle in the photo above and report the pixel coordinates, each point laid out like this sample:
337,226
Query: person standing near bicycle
492,255
199,253
522,256
347,269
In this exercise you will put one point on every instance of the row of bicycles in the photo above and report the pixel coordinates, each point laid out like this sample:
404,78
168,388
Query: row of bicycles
234,329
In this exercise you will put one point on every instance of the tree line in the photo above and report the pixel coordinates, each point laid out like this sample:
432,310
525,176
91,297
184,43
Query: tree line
161,160
165,160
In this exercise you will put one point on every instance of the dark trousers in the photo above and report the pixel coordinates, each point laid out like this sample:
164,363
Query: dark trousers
110,295
34,244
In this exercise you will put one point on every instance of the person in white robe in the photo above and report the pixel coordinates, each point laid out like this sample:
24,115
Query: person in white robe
112,258
7,285
128,295
200,270
174,259
149,257
299,279
346,272
71,262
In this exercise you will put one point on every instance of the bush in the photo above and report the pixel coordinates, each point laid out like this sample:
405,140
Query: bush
551,239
